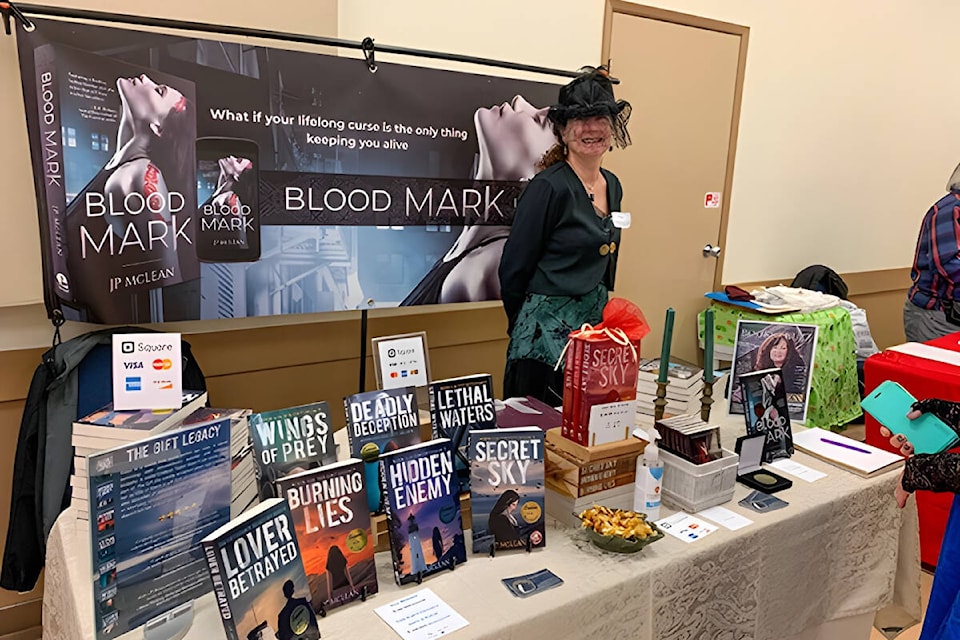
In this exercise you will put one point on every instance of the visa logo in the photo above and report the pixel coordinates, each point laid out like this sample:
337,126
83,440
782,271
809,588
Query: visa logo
133,365
132,383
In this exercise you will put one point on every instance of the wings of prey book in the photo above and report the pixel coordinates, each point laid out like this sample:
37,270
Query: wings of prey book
330,515
507,488
423,510
388,418
258,577
290,440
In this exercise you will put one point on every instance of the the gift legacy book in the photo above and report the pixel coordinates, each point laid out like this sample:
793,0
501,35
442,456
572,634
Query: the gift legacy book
258,577
329,507
423,510
507,488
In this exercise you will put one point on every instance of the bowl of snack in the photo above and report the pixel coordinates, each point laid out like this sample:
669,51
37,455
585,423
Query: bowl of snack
618,530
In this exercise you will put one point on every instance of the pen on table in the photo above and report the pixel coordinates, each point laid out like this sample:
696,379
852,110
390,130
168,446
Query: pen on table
844,445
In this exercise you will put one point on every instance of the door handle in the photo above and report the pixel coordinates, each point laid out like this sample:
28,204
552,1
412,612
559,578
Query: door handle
710,251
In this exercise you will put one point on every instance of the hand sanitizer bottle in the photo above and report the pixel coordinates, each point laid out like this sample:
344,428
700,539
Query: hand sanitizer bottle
646,492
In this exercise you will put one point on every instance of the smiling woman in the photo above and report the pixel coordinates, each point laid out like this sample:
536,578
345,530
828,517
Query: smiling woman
560,259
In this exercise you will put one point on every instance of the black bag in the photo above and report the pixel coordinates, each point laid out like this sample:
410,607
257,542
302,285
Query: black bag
820,278
73,380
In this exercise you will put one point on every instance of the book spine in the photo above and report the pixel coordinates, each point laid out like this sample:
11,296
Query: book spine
389,512
58,278
434,414
582,432
354,444
219,589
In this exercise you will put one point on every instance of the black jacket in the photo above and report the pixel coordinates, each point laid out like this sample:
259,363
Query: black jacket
558,245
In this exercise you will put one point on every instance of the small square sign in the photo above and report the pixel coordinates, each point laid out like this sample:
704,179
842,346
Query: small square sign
711,200
147,371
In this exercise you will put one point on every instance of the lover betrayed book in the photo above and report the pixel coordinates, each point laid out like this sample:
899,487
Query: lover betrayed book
332,523
459,405
506,488
388,418
117,159
766,411
258,578
423,510
151,502
290,440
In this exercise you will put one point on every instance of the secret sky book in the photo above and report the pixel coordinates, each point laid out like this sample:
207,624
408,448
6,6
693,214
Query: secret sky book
423,510
507,488
388,418
332,522
289,441
258,577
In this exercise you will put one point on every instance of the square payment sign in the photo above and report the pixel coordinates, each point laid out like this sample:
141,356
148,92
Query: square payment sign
147,371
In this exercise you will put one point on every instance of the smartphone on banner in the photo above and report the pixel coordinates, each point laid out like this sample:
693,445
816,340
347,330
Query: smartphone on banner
228,197
890,403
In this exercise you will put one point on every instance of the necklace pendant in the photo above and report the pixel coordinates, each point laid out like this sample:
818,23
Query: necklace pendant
591,196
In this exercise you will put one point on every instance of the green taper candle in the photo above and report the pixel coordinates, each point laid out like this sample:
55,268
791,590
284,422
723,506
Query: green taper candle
665,349
708,346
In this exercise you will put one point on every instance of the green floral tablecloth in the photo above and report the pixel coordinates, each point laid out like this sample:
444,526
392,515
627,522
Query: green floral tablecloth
834,391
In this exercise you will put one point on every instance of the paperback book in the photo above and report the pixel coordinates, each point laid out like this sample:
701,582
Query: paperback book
109,424
608,373
680,374
150,504
766,412
457,406
290,440
388,418
258,579
423,510
507,489
330,515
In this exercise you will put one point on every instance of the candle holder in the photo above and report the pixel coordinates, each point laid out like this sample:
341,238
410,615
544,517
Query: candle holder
706,400
661,402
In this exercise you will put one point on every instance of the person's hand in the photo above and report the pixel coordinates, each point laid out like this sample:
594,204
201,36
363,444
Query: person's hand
899,493
898,441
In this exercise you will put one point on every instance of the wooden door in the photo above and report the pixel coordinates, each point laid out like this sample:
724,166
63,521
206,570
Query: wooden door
683,76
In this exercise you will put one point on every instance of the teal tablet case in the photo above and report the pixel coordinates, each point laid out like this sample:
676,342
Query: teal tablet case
890,403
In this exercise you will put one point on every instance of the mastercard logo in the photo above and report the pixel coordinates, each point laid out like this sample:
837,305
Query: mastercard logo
161,364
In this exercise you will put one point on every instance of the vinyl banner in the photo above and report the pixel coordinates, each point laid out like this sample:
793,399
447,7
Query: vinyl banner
183,179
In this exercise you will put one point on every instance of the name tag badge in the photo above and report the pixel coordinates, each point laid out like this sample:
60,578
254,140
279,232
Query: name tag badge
621,219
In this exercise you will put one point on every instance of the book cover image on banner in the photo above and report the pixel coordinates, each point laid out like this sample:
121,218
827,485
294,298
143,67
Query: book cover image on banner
302,182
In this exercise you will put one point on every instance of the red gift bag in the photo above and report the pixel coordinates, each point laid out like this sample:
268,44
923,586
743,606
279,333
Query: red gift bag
601,365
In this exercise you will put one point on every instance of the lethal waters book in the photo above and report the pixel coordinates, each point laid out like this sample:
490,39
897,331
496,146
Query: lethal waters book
290,440
330,515
387,418
457,406
507,488
423,510
258,578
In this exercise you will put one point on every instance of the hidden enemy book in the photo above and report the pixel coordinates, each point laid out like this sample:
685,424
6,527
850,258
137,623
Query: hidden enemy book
119,220
766,411
258,577
459,405
330,515
290,440
422,504
507,488
387,418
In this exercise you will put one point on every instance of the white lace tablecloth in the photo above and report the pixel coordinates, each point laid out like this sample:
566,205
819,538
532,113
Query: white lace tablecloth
840,552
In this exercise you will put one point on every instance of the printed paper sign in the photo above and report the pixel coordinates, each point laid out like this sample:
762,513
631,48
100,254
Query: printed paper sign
421,616
686,527
403,362
612,421
711,200
147,371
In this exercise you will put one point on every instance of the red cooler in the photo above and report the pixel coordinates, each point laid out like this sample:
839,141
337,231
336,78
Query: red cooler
923,379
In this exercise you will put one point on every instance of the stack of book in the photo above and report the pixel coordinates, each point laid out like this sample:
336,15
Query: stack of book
243,474
683,391
107,428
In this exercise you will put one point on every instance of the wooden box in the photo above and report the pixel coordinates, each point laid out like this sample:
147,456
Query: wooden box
576,471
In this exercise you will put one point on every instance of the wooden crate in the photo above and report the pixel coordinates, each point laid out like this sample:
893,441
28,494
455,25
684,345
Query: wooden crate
577,471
